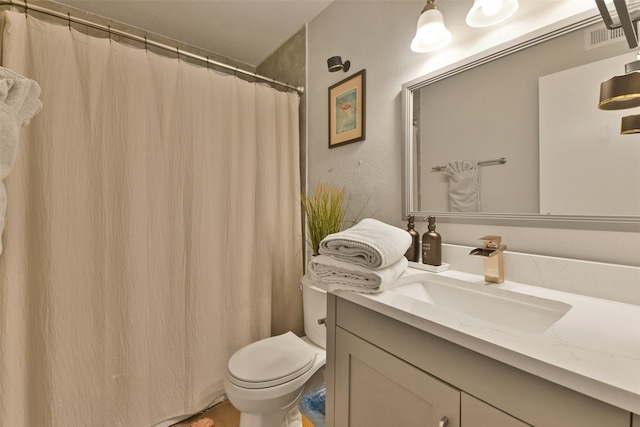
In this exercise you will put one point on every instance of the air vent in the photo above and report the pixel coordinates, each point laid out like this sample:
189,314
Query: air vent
600,35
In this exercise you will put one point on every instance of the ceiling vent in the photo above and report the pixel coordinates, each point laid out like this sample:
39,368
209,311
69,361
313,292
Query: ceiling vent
600,35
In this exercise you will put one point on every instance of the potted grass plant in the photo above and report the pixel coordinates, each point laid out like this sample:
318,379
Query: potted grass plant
324,212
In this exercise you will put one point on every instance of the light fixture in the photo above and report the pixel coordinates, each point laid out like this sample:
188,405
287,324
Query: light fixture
621,13
620,92
630,124
431,34
485,13
335,64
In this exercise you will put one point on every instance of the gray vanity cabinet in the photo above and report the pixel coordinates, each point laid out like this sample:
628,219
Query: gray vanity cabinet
383,372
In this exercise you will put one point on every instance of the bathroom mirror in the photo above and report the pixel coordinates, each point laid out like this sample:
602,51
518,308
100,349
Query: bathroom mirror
528,113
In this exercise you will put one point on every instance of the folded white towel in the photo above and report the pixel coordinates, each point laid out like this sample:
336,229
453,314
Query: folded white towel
464,186
333,274
19,102
369,243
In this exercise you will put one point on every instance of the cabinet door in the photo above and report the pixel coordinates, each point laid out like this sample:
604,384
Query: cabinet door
374,388
476,413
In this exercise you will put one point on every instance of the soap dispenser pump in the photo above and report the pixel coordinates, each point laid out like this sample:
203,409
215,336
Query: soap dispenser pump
432,244
413,253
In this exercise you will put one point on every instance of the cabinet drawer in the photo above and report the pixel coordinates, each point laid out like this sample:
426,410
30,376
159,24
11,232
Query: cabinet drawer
476,413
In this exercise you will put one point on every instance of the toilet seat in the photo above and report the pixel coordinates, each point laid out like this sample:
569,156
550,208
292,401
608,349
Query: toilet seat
271,362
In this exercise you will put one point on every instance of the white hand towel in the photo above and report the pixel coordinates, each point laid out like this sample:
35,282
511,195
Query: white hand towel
18,104
464,186
370,243
333,274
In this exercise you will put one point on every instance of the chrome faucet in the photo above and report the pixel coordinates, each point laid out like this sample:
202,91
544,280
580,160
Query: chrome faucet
492,253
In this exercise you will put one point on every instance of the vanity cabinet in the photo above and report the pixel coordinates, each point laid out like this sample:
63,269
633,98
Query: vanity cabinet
383,372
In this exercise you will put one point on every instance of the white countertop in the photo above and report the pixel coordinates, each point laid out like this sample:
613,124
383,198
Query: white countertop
593,349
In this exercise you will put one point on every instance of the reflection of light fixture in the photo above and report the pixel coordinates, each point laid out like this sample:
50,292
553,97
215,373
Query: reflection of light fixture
484,13
621,13
630,124
335,64
431,34
621,92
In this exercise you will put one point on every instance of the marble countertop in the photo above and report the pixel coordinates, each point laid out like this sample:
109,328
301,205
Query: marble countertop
593,349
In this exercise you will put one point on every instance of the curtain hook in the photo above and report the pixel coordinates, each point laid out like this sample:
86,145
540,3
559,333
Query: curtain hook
69,19
109,32
208,63
26,8
145,44
178,52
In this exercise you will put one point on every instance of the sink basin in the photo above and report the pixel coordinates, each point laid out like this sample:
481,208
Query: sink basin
508,309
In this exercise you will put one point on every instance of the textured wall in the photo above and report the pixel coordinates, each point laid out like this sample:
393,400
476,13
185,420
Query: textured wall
375,35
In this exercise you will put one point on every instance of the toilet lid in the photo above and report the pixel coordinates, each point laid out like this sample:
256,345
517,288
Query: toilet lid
271,361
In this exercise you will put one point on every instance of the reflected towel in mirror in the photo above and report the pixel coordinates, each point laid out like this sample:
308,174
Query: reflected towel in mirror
464,186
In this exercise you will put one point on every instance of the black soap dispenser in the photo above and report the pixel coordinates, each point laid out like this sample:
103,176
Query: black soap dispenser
413,253
432,245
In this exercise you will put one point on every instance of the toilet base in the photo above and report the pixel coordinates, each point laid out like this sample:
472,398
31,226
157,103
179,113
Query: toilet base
285,417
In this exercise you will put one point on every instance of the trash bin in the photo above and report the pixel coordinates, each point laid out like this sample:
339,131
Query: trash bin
312,404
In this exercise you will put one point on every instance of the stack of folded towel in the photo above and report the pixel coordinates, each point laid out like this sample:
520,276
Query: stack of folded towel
365,258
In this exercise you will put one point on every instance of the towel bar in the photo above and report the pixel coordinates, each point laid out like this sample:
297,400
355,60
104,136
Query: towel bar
500,161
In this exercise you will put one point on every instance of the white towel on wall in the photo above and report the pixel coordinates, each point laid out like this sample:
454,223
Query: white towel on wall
332,274
19,102
370,243
464,186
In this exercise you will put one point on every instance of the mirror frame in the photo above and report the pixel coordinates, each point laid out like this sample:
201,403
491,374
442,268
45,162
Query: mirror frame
579,222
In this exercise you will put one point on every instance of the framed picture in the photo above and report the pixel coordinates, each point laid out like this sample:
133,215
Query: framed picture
347,110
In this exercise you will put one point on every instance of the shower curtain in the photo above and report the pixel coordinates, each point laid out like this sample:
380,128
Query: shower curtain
152,208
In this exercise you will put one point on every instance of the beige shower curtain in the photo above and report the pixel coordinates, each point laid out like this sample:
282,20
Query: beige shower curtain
152,208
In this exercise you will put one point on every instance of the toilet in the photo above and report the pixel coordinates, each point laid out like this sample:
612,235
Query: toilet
266,379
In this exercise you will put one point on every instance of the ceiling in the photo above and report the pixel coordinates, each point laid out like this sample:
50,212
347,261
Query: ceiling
245,30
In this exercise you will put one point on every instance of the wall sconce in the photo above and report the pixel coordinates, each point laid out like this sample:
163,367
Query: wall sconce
431,34
335,64
620,92
630,125
485,13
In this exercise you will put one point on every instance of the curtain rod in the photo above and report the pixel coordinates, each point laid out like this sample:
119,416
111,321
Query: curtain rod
145,41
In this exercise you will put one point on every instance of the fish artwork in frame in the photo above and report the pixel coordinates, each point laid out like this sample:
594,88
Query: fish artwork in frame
347,110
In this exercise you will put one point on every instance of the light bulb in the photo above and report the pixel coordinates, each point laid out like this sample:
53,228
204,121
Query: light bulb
491,7
431,34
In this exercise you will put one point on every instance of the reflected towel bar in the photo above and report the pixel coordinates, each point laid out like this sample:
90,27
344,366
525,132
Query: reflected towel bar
500,161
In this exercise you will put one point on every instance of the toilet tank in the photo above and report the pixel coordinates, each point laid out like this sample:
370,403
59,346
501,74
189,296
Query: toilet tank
314,306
